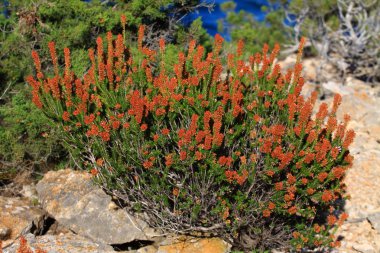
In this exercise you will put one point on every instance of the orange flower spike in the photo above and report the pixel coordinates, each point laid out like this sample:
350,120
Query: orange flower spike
123,21
37,64
182,155
68,86
240,48
91,55
342,218
265,52
35,91
350,135
218,43
322,113
340,131
276,71
162,45
206,120
306,112
300,49
54,58
274,53
101,67
109,67
66,52
194,124
192,44
312,136
336,103
140,37
119,49
331,124
168,160
291,179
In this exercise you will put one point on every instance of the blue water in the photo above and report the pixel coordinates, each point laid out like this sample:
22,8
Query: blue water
210,18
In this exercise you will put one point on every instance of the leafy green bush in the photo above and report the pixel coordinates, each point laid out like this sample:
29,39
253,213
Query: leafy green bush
204,144
243,25
26,138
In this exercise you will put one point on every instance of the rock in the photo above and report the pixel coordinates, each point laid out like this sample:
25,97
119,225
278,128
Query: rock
364,248
19,217
5,232
68,243
191,245
314,68
374,219
29,191
359,237
75,202
335,87
147,249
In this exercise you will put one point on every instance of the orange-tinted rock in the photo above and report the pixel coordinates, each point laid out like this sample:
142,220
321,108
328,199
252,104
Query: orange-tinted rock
193,245
64,243
18,216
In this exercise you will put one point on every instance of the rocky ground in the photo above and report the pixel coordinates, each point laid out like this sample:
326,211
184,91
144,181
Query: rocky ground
81,210
361,233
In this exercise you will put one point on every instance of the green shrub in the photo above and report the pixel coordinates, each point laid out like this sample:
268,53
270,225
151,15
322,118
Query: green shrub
204,144
26,138
243,25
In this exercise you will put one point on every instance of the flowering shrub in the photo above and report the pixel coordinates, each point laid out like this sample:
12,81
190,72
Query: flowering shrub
218,146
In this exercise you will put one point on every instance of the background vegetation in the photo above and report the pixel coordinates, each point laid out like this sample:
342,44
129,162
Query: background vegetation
344,33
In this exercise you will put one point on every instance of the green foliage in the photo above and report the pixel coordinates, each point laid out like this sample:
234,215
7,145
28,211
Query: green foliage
201,143
343,33
26,138
317,10
243,26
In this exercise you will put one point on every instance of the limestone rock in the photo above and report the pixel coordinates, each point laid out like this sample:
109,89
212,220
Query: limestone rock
68,243
362,180
5,232
359,237
17,217
191,245
29,191
147,249
74,201
374,219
